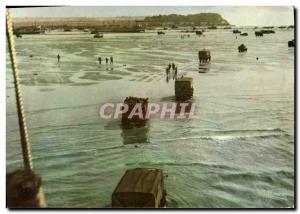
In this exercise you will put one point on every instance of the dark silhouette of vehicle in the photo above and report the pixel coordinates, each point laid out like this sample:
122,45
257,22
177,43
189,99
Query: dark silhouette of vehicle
259,33
291,43
184,88
204,55
140,188
242,48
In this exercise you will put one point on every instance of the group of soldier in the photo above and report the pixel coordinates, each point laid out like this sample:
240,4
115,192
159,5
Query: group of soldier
111,59
174,71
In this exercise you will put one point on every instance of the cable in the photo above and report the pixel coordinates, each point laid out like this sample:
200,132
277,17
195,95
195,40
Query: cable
20,108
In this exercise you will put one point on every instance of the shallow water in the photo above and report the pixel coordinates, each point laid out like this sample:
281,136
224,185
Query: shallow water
238,152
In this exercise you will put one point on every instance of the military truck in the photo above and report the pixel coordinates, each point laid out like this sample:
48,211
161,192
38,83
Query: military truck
259,33
291,43
242,48
244,34
204,55
140,188
18,35
184,88
134,120
198,32
98,35
236,31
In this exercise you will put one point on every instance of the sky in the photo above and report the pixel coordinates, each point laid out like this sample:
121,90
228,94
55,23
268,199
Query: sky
235,15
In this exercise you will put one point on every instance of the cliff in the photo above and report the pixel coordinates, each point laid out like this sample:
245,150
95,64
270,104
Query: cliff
201,19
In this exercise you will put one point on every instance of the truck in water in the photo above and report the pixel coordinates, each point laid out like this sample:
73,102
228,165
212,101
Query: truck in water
184,88
140,188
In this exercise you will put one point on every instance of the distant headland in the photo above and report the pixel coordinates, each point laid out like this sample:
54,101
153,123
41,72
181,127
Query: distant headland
123,23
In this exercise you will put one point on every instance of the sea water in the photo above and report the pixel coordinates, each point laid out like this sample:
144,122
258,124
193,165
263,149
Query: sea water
238,152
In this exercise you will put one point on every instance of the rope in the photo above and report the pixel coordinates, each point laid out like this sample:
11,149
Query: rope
20,108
